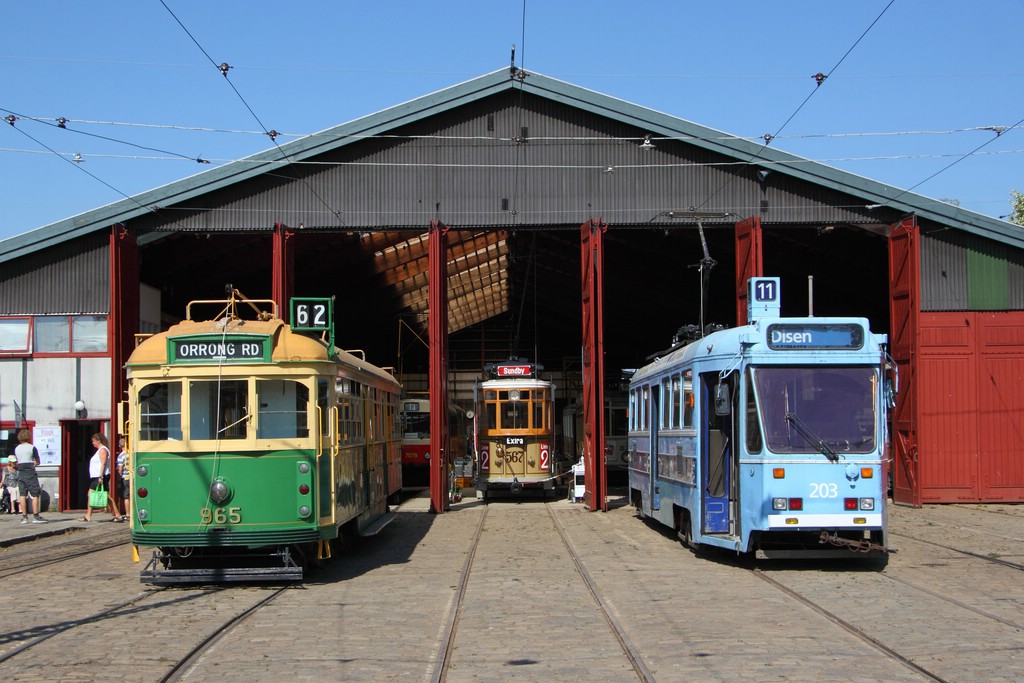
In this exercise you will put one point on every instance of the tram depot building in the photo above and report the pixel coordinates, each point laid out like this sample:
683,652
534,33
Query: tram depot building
514,168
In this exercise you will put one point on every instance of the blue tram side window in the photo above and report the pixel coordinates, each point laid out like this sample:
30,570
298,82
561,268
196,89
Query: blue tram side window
688,403
676,402
666,405
753,426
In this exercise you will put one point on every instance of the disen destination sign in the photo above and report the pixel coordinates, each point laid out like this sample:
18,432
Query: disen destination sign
219,349
805,336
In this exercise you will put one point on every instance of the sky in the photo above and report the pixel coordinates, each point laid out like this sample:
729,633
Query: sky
915,93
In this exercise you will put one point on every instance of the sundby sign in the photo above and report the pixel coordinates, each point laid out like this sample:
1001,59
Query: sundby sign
515,370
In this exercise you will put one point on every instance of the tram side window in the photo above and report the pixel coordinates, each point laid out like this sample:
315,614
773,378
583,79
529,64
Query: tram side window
343,392
491,409
218,410
677,401
160,412
283,409
688,402
615,420
539,401
323,402
359,416
666,405
632,412
753,427
644,403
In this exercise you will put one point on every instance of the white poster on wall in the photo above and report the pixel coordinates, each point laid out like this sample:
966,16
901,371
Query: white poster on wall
47,442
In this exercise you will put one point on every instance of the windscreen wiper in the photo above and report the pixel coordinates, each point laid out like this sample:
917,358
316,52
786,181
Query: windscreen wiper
812,438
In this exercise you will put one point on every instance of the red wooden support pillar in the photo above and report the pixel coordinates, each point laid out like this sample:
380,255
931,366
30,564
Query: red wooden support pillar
749,262
592,271
905,345
123,322
437,297
283,266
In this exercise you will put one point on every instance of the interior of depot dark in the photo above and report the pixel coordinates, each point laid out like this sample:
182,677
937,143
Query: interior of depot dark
652,287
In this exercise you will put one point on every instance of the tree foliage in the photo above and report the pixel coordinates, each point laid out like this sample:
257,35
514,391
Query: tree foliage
1017,214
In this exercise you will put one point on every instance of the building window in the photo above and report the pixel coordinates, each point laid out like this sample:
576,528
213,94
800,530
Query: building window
89,334
54,334
14,335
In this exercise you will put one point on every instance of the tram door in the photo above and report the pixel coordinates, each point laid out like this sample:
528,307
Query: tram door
715,454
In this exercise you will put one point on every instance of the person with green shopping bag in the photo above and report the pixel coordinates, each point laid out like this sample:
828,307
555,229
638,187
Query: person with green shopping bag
99,472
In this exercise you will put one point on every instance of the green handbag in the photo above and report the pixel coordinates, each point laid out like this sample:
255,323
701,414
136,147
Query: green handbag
98,497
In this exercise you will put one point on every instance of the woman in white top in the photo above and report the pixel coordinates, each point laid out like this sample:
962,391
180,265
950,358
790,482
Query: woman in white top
99,470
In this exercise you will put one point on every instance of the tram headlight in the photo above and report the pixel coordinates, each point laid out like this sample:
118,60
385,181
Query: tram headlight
143,470
219,491
304,468
304,511
778,503
867,503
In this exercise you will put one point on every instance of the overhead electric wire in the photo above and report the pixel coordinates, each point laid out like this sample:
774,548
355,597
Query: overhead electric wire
83,170
62,125
973,152
561,75
272,134
821,79
455,165
540,138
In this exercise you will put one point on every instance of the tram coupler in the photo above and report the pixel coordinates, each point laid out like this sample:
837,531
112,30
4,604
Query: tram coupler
855,546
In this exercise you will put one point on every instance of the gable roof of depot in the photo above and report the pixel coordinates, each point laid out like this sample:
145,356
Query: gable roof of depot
659,124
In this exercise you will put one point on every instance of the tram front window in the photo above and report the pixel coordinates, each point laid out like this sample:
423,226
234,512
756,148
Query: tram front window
416,425
283,409
219,409
834,404
160,411
515,409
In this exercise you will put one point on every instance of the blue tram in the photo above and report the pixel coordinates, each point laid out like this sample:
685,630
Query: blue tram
769,438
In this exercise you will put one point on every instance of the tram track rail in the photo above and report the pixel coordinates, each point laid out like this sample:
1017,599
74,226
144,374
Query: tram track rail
850,628
33,638
15,563
443,660
970,553
65,626
185,664
628,648
449,637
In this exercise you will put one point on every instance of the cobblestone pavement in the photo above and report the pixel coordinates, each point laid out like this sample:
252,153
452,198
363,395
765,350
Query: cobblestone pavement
378,613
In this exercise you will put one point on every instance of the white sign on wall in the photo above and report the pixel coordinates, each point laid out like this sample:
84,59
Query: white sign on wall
47,442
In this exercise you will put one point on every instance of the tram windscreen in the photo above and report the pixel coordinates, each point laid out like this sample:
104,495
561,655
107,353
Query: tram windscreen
835,405
416,425
160,411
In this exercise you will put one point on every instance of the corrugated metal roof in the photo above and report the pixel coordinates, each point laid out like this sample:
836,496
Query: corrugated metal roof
657,123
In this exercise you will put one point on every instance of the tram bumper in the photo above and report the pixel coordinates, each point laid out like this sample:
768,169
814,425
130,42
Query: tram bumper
167,568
